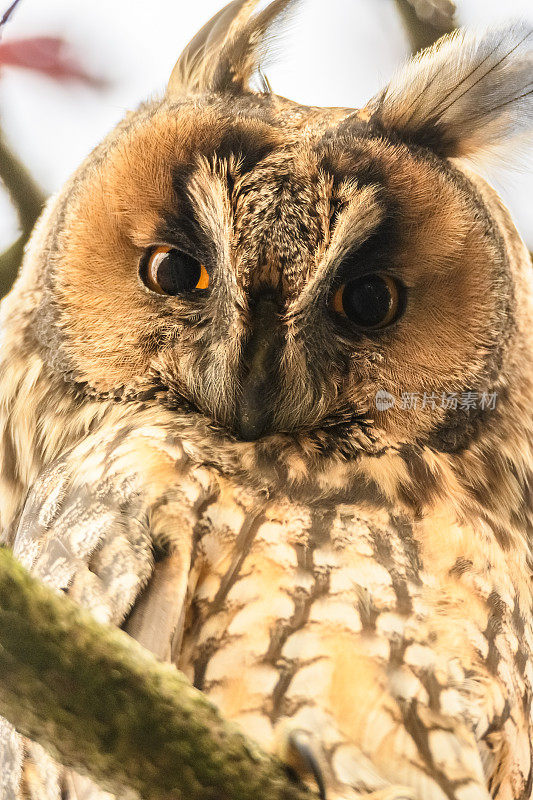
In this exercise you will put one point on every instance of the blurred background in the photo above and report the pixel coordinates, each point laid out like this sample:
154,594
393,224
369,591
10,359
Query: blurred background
70,70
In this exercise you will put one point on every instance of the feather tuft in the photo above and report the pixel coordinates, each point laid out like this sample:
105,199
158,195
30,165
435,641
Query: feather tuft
227,51
468,94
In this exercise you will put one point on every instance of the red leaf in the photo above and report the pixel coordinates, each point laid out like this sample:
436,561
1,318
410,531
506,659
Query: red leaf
48,55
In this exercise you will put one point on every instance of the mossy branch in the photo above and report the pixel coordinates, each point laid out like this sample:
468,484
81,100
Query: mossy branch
100,703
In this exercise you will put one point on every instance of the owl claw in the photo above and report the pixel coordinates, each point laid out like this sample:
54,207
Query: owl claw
303,760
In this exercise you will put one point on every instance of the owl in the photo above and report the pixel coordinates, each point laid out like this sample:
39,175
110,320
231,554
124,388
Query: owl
266,392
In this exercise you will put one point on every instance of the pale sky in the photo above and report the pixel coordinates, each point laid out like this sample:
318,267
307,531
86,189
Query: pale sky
337,52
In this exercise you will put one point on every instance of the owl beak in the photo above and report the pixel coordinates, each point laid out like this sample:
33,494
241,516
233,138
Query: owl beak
254,412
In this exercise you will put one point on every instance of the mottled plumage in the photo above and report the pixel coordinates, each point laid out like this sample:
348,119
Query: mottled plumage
195,451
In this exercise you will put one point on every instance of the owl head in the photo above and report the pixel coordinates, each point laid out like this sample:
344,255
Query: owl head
298,282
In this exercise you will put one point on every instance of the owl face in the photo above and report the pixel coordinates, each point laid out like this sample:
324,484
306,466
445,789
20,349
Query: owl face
270,268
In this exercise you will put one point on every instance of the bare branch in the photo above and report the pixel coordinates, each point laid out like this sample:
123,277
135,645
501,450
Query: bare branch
424,30
7,14
10,261
25,194
28,199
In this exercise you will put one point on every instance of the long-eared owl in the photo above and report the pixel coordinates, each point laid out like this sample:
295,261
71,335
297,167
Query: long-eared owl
266,392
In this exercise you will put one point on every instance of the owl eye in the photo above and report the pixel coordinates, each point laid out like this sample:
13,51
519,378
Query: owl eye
371,301
166,270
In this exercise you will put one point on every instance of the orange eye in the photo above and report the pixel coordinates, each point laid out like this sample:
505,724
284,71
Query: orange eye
371,301
166,270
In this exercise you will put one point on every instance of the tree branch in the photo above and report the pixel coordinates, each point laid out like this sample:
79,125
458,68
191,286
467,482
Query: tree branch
28,200
7,14
421,32
10,261
100,703
25,194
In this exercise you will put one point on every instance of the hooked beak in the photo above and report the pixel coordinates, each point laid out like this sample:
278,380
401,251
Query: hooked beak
254,411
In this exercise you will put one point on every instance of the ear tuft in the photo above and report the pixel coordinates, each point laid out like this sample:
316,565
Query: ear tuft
227,51
468,95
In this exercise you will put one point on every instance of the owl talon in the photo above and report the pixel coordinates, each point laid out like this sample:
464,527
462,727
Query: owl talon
302,759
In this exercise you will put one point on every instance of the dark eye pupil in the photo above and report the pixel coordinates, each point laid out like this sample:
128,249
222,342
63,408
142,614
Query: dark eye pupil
178,273
367,300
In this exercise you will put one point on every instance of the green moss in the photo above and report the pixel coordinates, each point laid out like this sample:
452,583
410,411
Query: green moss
101,704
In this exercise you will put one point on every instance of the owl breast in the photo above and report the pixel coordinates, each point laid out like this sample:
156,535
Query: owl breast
325,620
